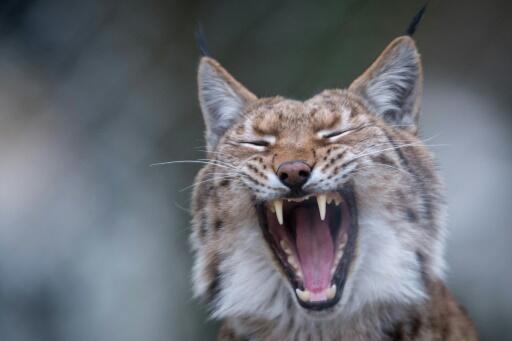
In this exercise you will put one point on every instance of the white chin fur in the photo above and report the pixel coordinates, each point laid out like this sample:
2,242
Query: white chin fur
384,271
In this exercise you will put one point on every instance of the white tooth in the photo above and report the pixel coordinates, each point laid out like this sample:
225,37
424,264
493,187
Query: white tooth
343,241
278,206
285,247
339,254
299,274
291,260
331,292
303,295
321,200
337,198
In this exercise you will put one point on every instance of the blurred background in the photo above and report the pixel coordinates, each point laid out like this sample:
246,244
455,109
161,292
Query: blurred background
93,241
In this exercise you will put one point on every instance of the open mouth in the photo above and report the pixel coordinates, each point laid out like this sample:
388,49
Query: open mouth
313,239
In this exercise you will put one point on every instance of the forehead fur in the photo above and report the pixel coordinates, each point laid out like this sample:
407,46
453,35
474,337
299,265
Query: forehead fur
327,110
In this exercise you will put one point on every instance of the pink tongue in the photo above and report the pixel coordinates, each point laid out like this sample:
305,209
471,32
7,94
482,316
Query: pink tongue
315,249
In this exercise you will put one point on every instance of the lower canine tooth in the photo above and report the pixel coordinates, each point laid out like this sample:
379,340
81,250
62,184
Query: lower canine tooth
321,200
278,207
331,292
303,295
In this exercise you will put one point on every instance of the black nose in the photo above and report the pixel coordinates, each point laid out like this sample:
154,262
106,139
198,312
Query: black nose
294,174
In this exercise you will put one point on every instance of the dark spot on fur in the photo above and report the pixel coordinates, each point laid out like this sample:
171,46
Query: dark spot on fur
353,112
203,225
330,103
215,279
218,224
420,257
224,183
415,326
395,332
383,159
340,155
251,167
405,330
411,215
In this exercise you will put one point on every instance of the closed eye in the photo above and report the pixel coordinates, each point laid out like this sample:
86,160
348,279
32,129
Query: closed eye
259,143
334,134
339,133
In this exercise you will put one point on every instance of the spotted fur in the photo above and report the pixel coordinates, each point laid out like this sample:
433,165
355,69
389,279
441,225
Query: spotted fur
365,136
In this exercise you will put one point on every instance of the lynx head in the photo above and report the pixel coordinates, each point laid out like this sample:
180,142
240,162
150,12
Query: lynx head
320,207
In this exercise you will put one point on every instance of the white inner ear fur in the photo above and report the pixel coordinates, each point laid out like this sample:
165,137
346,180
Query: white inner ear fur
392,85
394,81
221,97
220,104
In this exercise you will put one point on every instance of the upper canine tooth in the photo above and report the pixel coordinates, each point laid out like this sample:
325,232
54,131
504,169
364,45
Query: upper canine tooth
278,207
321,200
303,295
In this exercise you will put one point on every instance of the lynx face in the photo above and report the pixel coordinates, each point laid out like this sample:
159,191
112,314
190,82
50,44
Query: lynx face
321,207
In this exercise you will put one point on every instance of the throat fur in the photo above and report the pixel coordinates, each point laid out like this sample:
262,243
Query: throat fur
437,318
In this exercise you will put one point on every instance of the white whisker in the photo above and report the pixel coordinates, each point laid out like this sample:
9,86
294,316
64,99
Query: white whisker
189,161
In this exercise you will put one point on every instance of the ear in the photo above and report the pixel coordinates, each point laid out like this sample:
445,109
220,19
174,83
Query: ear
392,85
222,99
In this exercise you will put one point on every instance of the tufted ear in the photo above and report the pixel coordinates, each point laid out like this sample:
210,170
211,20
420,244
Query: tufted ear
392,85
222,99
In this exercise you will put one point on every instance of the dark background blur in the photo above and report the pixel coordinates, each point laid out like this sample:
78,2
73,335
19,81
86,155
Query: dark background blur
93,241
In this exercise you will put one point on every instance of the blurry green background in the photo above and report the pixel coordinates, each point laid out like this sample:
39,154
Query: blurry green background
93,242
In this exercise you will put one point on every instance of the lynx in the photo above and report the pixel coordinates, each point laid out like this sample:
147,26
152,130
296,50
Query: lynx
322,219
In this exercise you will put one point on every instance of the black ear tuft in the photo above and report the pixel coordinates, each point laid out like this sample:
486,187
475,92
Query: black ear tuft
416,20
201,41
